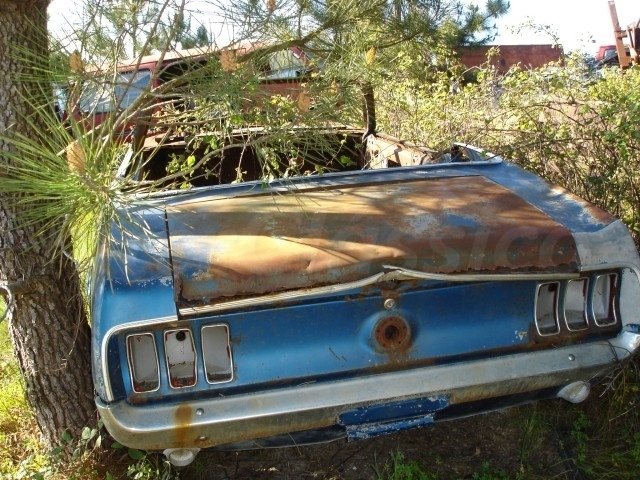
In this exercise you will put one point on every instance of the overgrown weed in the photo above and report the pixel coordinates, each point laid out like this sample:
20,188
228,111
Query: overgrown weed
18,432
398,467
605,433
563,123
23,456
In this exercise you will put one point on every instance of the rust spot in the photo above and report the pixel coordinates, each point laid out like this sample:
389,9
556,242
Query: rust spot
204,442
180,382
393,333
183,418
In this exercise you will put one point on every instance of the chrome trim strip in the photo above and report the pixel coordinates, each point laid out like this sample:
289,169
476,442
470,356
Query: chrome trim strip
221,419
408,274
395,273
278,297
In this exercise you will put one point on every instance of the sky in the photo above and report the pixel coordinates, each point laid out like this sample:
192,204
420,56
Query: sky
578,24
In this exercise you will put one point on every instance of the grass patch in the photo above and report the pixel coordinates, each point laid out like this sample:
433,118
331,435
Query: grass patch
19,444
398,467
604,435
23,456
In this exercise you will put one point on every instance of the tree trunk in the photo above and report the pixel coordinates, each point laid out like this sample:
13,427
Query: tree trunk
47,323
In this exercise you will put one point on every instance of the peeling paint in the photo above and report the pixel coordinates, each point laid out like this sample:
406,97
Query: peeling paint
222,249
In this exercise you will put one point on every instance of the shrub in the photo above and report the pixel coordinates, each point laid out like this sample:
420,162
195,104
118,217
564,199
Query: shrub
565,124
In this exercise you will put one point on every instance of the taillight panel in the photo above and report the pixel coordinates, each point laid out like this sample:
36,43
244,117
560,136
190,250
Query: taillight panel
584,304
189,358
174,356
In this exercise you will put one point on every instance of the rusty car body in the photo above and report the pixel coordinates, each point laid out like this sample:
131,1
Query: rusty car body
397,288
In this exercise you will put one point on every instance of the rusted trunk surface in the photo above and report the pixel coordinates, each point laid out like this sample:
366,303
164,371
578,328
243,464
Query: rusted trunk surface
266,243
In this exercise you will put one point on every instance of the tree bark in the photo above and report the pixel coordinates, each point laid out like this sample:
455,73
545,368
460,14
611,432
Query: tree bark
47,324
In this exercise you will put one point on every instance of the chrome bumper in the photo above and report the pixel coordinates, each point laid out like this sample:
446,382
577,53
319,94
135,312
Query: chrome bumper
220,420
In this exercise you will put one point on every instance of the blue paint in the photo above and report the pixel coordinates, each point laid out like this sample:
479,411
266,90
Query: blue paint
371,430
393,411
331,338
376,420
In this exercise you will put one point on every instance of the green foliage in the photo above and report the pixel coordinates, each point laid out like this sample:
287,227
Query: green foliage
488,473
398,468
73,459
561,122
198,39
128,28
91,456
605,434
473,25
387,22
533,425
62,182
150,467
17,450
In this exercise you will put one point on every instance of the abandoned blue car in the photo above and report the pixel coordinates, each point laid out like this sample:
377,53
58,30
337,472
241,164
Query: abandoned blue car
374,286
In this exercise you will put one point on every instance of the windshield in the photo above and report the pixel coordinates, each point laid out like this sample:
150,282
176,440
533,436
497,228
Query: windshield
104,94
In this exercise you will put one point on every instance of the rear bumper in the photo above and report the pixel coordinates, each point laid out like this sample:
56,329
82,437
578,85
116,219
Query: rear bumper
238,418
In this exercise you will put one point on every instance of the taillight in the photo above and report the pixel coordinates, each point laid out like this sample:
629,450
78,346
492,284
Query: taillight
181,357
216,351
546,313
143,362
604,294
575,304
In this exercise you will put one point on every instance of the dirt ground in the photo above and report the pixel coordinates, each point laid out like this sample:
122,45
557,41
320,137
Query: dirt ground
519,441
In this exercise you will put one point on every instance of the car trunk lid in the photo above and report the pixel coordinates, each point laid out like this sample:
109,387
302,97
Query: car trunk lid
226,248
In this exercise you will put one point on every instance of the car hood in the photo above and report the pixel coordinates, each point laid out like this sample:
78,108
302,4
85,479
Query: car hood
235,247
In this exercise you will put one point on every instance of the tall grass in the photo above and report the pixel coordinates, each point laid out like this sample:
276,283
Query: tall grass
19,445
